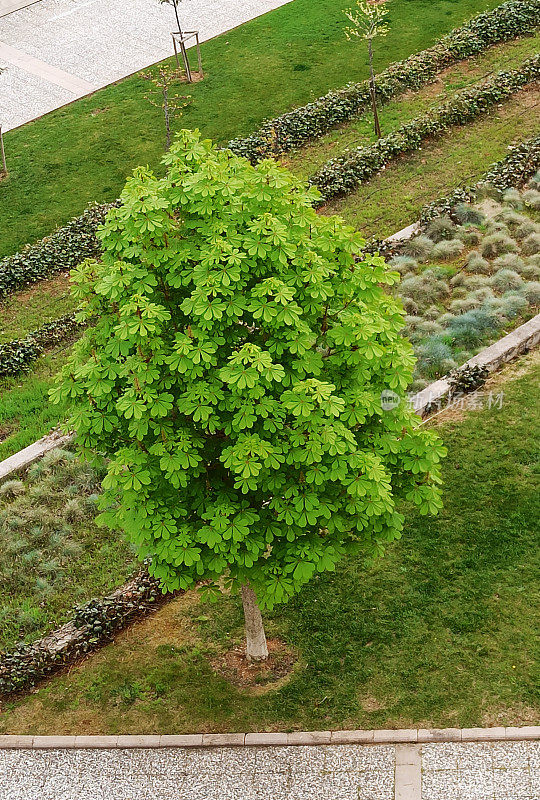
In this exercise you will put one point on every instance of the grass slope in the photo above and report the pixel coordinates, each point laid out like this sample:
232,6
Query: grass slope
438,633
510,55
83,152
394,198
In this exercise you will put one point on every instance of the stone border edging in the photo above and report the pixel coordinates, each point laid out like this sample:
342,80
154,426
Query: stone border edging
518,341
23,458
408,735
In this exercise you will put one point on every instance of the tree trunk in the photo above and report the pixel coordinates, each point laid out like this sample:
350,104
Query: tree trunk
256,647
373,92
175,4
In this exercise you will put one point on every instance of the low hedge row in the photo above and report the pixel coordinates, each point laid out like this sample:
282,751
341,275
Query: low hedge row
522,161
17,355
294,128
91,626
343,174
61,251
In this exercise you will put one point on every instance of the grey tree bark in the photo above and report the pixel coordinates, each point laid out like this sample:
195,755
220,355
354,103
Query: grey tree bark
256,647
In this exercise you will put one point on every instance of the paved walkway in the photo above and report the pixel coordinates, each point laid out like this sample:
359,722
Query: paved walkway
444,771
54,51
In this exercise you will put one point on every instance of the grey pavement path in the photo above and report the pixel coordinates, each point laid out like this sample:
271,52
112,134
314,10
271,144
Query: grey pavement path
443,771
54,51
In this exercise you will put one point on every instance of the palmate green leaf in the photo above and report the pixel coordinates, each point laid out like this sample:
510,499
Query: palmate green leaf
234,379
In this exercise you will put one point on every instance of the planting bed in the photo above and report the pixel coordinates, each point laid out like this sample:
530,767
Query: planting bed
53,554
464,285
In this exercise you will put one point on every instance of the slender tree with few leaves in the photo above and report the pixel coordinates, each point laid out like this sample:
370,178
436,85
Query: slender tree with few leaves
174,4
235,380
160,95
368,21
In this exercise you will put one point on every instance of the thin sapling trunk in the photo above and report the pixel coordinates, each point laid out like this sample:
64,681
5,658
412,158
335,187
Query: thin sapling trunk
256,647
372,91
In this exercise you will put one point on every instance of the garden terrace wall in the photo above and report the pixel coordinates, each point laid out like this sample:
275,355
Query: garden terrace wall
296,127
519,341
344,174
91,626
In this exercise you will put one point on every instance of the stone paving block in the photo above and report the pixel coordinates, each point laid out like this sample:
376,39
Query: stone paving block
181,740
272,786
375,785
273,760
307,759
443,756
206,760
475,756
309,737
344,737
475,784
324,787
266,739
534,754
527,732
511,754
440,785
395,736
138,741
358,758
223,739
53,742
90,742
239,760
16,741
534,775
482,734
439,735
514,783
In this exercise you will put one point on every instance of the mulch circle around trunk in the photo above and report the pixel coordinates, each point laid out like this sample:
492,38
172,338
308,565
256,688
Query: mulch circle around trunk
257,676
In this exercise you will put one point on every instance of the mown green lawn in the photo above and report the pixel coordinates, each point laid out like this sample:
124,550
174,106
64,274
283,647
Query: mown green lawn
440,632
359,132
83,152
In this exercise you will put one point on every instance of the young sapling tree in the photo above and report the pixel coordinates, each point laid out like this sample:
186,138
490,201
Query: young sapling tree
367,20
234,380
160,95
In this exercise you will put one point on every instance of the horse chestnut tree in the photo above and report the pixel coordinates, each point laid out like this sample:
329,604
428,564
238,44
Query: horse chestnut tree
234,380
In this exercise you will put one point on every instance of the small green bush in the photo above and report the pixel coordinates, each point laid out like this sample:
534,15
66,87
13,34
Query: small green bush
419,247
531,198
534,182
440,228
424,289
531,290
526,229
511,197
462,305
509,261
403,264
512,304
11,489
466,214
476,263
496,244
469,236
531,245
472,282
434,358
446,250
505,280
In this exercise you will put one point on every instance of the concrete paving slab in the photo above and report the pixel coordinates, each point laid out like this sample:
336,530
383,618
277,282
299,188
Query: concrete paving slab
54,51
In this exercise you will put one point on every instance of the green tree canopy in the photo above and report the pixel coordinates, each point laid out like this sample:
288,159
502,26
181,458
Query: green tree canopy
234,379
